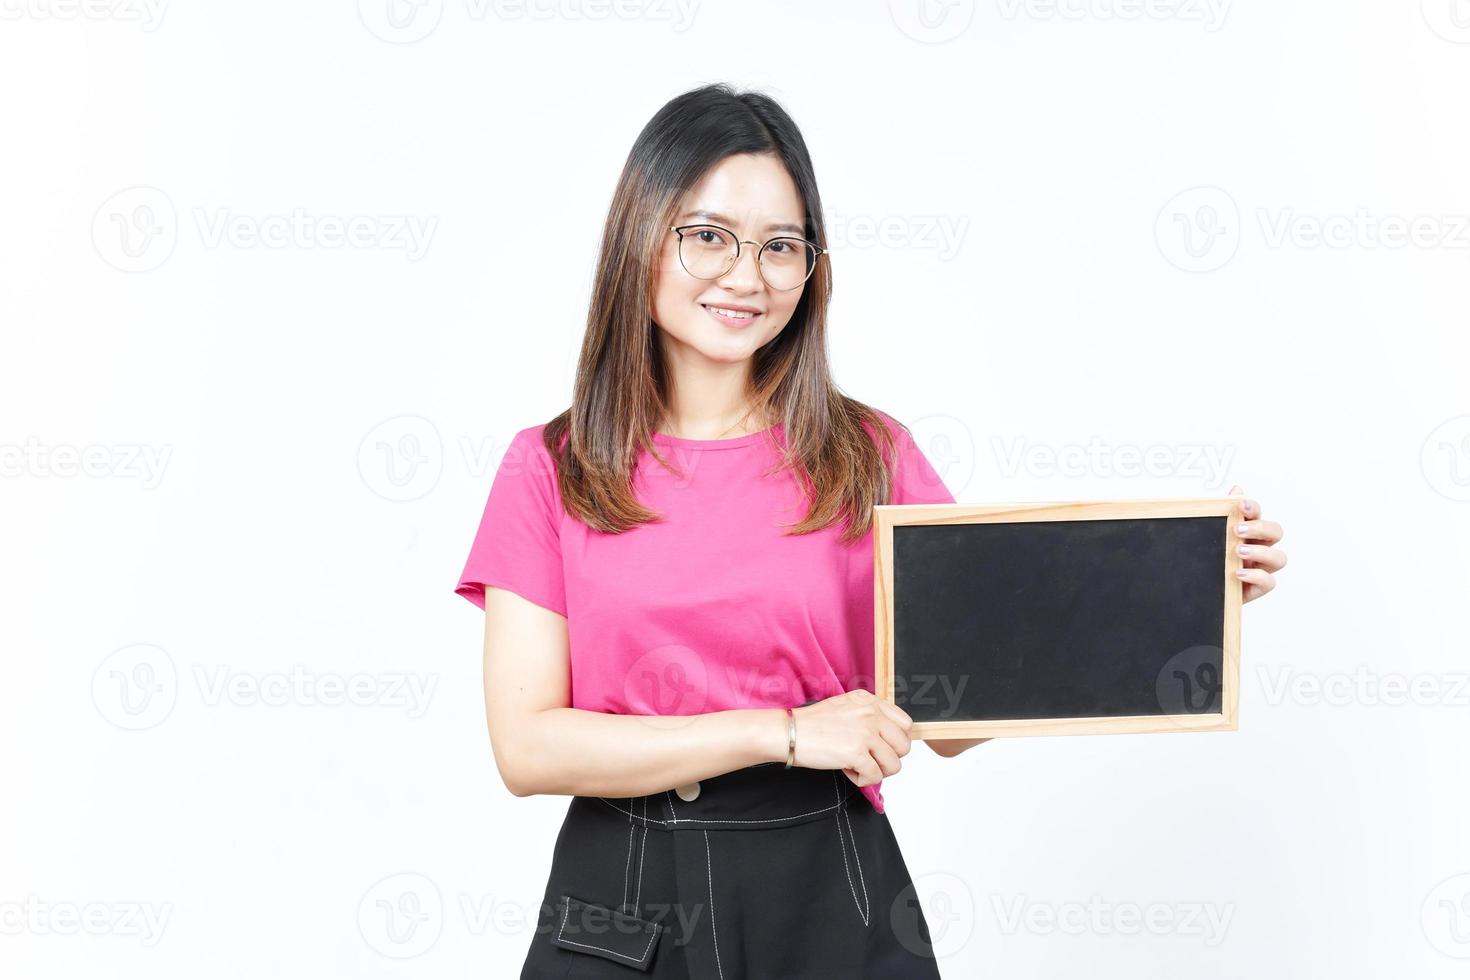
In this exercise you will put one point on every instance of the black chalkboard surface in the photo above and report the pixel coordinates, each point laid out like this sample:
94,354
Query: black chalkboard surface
1090,617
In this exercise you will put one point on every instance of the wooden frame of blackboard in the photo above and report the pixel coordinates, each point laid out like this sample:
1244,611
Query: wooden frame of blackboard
888,516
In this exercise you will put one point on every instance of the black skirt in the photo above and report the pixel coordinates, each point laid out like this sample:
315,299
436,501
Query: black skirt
764,872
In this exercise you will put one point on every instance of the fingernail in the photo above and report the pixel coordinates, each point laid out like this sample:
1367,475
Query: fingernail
1242,528
1240,573
1244,549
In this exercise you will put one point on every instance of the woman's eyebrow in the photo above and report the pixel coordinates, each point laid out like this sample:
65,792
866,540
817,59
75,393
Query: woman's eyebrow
773,226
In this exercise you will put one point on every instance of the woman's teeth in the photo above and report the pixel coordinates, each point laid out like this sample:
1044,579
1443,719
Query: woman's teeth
733,314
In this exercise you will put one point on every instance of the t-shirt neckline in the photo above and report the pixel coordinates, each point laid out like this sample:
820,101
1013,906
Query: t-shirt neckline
731,443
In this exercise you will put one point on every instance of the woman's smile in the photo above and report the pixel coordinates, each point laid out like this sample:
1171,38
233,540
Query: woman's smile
732,316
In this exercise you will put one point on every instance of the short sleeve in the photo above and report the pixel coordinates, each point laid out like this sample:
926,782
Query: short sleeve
915,481
518,543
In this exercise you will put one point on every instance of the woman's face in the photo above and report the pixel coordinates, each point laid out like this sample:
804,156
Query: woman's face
753,196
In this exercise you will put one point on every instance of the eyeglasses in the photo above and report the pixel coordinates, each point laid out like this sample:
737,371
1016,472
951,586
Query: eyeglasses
709,252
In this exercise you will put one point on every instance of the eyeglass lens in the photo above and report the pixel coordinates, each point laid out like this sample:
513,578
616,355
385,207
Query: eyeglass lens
708,252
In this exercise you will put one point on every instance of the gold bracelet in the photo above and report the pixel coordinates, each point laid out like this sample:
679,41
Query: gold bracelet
790,738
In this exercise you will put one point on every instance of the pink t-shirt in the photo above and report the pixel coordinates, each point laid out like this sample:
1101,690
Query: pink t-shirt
712,608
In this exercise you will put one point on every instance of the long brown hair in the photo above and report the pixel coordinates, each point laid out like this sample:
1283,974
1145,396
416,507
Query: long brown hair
619,394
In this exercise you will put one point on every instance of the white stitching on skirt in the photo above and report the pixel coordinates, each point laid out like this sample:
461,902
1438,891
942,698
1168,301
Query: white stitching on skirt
712,931
642,852
842,843
565,909
861,881
673,819
629,860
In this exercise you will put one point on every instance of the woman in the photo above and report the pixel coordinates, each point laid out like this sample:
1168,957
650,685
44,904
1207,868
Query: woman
677,580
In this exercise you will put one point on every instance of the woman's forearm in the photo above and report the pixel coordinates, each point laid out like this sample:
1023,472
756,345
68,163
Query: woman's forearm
951,747
575,752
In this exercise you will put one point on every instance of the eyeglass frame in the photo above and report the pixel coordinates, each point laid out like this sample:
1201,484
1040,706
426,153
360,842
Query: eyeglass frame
817,252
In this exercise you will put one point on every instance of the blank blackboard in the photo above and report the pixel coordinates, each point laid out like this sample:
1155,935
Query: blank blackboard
1073,618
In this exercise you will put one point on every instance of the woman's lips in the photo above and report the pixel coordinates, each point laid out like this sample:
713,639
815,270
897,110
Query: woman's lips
731,321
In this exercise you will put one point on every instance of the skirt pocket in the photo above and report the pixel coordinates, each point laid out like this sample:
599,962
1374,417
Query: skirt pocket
596,930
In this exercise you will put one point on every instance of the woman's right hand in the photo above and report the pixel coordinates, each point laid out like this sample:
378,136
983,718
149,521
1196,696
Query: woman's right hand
857,732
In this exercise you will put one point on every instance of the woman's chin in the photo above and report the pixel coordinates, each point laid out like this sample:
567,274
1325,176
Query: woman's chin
726,350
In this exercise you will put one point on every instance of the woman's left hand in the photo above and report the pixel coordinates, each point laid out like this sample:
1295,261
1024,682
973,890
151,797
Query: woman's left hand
1259,556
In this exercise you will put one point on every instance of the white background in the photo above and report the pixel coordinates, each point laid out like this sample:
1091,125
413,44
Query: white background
234,460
